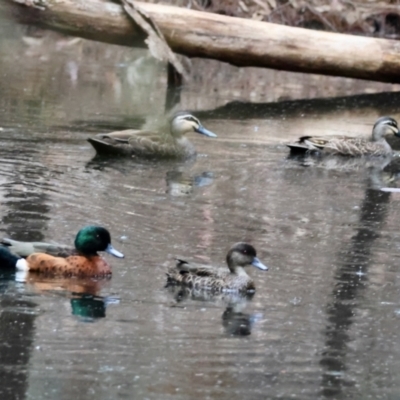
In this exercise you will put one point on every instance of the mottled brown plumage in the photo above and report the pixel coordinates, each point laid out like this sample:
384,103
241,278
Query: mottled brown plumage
167,142
376,145
218,279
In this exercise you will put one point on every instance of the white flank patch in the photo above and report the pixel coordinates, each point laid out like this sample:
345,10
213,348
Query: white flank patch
22,265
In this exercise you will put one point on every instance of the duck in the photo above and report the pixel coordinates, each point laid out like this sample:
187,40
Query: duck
169,142
82,260
376,145
206,277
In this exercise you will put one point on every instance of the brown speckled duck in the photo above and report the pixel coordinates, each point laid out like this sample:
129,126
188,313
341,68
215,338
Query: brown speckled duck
206,277
376,145
168,142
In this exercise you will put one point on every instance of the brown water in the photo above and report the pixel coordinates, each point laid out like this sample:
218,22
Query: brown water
325,320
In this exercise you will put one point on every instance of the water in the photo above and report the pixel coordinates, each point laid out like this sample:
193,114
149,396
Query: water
324,321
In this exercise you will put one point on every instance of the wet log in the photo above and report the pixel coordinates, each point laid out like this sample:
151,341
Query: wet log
241,42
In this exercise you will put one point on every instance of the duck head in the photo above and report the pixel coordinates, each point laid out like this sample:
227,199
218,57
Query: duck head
92,239
243,254
384,126
183,123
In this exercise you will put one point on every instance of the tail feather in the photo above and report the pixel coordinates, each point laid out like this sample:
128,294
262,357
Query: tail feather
25,249
22,249
102,147
175,276
8,260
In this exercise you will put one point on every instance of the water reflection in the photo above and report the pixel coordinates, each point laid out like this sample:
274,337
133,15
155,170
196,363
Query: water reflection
344,163
88,307
235,321
355,259
84,293
181,183
23,191
180,179
380,172
17,330
351,280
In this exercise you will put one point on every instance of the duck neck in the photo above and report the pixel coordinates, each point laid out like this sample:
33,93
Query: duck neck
237,270
175,132
87,255
382,142
240,271
378,135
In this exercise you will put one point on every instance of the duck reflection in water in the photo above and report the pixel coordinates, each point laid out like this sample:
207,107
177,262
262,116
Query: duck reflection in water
239,323
180,183
86,303
89,307
339,163
387,178
234,320
382,173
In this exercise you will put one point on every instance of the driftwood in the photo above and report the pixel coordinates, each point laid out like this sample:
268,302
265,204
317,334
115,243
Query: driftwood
155,39
241,42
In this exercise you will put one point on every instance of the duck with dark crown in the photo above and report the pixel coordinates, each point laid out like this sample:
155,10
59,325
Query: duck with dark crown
206,277
51,259
375,145
167,142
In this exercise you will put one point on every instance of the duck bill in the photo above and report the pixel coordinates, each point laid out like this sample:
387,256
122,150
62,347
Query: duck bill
258,264
204,131
113,252
397,132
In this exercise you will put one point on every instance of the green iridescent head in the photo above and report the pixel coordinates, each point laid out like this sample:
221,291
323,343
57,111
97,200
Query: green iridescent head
92,239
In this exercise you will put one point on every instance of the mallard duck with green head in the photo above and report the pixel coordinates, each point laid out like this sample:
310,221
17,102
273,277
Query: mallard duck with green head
167,142
82,260
376,145
206,277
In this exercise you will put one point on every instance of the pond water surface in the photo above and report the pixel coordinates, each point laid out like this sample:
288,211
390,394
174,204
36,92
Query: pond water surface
325,320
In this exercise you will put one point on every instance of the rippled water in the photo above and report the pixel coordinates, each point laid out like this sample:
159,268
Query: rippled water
324,321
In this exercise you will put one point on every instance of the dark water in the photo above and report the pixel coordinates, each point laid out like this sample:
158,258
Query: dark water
325,320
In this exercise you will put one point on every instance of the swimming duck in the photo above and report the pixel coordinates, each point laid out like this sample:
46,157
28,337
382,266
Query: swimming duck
376,145
82,261
216,279
170,142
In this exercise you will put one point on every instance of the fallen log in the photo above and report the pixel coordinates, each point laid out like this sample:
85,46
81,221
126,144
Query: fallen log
241,42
